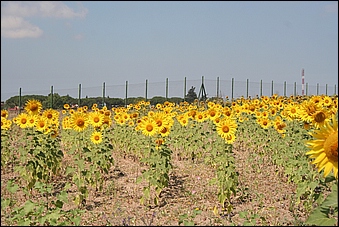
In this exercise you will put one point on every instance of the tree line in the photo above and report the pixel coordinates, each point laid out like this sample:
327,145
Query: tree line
56,101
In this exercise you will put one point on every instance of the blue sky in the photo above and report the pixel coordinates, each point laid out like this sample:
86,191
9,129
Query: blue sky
64,44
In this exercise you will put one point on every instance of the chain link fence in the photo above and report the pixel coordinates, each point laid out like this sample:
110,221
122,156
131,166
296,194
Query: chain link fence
212,88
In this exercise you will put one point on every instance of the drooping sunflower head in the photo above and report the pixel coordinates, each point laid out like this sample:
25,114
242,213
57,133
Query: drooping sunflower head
324,147
33,106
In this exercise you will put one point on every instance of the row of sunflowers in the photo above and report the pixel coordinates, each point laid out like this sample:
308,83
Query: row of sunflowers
316,112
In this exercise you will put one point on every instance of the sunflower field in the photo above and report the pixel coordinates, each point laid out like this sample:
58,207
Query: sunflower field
262,161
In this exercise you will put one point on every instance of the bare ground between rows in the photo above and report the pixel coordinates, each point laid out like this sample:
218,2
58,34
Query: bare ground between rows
261,191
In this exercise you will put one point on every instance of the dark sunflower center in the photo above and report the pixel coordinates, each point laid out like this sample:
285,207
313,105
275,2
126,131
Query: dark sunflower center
225,129
331,146
319,117
80,122
149,128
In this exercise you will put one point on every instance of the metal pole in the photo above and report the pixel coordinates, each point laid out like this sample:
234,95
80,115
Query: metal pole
295,88
326,89
232,88
19,100
79,99
166,88
260,88
126,94
217,87
146,90
247,88
272,90
306,89
335,89
285,88
317,88
103,94
52,97
184,89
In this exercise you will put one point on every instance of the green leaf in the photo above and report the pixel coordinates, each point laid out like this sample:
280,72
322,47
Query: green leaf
319,216
59,204
77,220
29,206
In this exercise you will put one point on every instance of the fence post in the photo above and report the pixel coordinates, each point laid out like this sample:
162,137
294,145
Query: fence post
217,87
335,89
19,100
103,94
184,88
166,88
232,88
79,98
285,88
247,88
317,88
260,88
306,89
126,94
272,90
145,90
295,89
52,97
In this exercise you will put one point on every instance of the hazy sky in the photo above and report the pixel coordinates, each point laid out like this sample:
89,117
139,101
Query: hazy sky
64,44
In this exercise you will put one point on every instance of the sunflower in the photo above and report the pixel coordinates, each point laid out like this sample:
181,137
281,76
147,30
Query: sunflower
96,119
66,106
158,143
4,113
52,116
201,116
161,119
31,120
107,121
66,123
307,110
264,122
226,127
33,106
165,131
54,132
213,113
5,123
230,139
79,121
22,120
96,137
319,118
41,124
292,111
324,148
148,127
183,119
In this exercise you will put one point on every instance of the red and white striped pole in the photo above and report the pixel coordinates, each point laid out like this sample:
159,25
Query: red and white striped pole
302,82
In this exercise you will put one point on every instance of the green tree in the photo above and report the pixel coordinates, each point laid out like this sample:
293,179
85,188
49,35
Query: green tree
191,95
